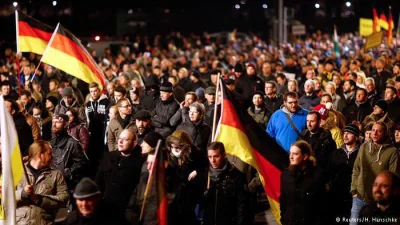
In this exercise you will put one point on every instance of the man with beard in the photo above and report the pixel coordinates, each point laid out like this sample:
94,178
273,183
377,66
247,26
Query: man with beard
258,111
320,140
68,156
142,125
341,168
386,208
302,189
286,124
349,89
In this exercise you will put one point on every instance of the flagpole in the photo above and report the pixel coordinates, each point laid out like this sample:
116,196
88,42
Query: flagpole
149,181
17,29
215,108
47,48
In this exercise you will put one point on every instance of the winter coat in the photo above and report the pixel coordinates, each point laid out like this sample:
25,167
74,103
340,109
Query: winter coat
309,102
357,112
302,196
114,130
24,132
69,159
280,129
80,133
118,176
371,160
34,126
330,124
227,200
62,108
381,78
373,118
45,122
322,145
162,113
275,103
52,189
246,86
394,110
261,117
373,215
104,215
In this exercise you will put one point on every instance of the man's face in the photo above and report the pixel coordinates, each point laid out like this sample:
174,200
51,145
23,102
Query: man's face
125,141
382,189
295,156
257,100
27,71
292,104
349,138
194,115
292,86
110,89
164,96
347,87
269,89
336,80
379,64
377,110
317,84
5,90
266,68
88,206
308,88
369,86
389,95
52,86
397,136
310,74
118,96
280,81
361,96
329,88
125,108
250,71
68,100
215,158
25,99
58,125
377,133
312,123
94,93
210,98
142,125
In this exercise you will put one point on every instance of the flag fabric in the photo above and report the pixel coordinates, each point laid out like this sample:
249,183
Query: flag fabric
389,32
376,27
383,22
161,191
336,42
12,168
247,140
65,52
366,26
32,35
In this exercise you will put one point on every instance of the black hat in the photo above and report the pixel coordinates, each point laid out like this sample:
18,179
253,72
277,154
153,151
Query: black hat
152,81
239,68
352,128
152,138
86,188
68,92
166,86
143,115
53,100
229,81
196,74
383,105
393,88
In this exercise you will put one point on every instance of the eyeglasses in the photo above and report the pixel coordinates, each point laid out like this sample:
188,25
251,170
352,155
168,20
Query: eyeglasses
126,106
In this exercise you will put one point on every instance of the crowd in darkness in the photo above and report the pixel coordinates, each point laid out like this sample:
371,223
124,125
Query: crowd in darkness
90,148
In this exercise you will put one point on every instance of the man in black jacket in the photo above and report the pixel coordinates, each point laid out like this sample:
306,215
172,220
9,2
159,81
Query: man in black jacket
119,172
248,84
226,200
68,156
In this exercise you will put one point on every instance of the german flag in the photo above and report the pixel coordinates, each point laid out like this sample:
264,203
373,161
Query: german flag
32,35
245,139
390,29
376,27
66,53
161,191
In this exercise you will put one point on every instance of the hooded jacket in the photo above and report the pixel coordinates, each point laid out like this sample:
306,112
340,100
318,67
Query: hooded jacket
371,160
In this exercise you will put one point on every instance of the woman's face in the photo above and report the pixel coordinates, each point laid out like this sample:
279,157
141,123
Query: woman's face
70,116
397,136
146,148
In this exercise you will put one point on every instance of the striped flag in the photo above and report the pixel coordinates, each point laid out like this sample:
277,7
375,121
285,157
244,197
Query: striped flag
32,35
390,29
65,52
376,27
12,168
245,139
161,191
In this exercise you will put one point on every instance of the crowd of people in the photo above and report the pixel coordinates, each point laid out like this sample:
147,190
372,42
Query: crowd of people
90,148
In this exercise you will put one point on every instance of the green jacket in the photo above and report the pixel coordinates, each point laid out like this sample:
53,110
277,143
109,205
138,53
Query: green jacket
371,160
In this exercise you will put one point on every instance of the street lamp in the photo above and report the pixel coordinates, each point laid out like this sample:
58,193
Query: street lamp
237,6
317,5
54,3
265,6
348,4
15,4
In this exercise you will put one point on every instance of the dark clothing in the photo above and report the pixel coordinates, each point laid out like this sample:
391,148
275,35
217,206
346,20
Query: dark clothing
357,112
226,202
118,176
381,78
302,196
80,133
373,97
104,216
179,93
186,84
274,103
394,110
260,116
69,159
246,86
209,117
162,113
198,84
341,169
322,145
24,132
375,215
309,102
148,101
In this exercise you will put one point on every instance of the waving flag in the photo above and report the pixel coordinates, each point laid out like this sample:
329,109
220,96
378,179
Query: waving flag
376,27
245,139
390,29
32,35
66,53
12,168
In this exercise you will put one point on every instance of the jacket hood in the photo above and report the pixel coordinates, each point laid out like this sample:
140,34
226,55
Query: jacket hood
73,104
330,121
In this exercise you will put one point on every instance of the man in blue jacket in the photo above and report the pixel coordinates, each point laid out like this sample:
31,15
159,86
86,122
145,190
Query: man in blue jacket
279,126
